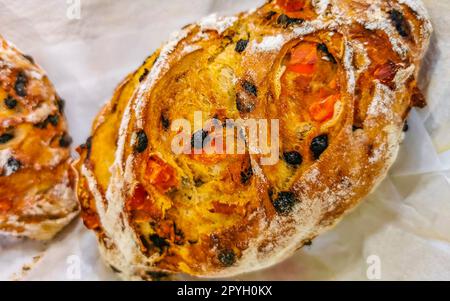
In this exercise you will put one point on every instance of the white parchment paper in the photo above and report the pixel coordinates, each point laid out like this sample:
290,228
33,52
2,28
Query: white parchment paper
402,230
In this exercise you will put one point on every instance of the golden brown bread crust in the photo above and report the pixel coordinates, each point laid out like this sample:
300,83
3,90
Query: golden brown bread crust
36,183
340,76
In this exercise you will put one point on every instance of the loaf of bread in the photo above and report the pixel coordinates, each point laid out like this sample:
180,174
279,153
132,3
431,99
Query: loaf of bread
339,78
37,196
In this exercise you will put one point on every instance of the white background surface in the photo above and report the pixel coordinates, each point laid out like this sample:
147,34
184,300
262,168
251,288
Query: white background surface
405,222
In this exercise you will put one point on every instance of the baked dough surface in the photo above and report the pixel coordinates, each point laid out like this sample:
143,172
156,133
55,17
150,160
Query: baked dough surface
339,75
37,198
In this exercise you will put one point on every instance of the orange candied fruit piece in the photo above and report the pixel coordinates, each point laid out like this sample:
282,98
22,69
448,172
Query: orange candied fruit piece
324,109
137,202
160,174
291,5
142,205
303,59
222,208
90,220
5,205
302,68
305,53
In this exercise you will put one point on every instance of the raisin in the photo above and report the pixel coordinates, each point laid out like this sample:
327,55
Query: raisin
250,88
115,270
145,242
29,58
21,84
285,202
198,139
308,243
65,141
159,242
42,125
400,23
323,48
198,182
141,141
227,257
13,164
287,21
61,103
319,145
283,19
165,121
88,146
356,127
246,175
293,158
5,138
10,102
244,106
157,275
144,75
241,45
270,15
406,126
53,120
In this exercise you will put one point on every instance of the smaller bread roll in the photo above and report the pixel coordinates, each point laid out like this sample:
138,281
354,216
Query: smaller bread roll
36,183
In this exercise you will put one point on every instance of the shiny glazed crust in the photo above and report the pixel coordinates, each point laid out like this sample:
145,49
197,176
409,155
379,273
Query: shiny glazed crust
36,182
340,76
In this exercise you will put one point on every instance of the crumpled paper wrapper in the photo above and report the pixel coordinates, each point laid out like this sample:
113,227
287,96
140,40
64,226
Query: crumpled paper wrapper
400,232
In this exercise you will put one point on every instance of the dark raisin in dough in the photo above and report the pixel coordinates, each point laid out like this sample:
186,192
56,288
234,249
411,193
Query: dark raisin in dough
250,88
65,141
14,165
293,158
10,102
400,23
319,145
21,84
285,202
141,141
227,258
5,138
241,45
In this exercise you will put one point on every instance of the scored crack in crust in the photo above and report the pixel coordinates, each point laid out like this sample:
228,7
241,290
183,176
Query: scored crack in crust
339,75
37,198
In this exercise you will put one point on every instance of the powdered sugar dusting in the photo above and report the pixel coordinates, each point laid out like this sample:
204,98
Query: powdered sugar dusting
218,24
350,70
269,44
403,75
362,57
189,49
417,6
321,6
93,188
377,19
312,175
382,102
